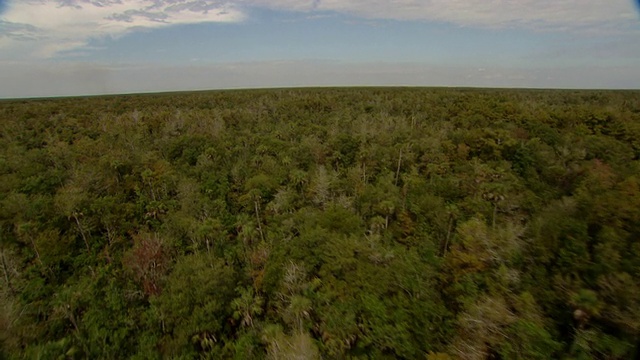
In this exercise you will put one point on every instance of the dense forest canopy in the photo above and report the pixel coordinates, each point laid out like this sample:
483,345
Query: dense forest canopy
322,223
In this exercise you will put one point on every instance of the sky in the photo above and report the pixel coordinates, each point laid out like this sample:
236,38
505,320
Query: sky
88,47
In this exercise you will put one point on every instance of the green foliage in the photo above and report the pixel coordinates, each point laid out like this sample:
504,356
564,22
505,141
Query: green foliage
321,223
192,310
528,341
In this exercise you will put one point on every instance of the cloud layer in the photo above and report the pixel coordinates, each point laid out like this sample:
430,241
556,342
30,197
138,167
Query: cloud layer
62,79
51,27
539,14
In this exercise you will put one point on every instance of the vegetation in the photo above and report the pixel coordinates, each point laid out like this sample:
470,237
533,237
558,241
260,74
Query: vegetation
321,223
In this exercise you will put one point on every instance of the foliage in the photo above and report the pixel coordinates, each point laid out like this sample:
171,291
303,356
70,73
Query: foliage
321,223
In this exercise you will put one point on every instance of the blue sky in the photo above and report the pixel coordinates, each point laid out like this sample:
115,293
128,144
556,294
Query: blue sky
78,47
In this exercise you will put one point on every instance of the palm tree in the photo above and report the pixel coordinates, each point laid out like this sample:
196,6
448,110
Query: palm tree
298,309
247,306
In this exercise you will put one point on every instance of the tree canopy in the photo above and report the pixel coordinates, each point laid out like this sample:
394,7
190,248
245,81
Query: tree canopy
321,223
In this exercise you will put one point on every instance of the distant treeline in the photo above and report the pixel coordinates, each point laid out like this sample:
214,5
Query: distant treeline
321,223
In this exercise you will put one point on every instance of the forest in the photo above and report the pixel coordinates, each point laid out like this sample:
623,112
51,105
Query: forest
321,223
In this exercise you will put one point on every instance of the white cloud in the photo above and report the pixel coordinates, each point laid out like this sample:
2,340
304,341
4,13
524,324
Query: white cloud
57,26
538,14
54,26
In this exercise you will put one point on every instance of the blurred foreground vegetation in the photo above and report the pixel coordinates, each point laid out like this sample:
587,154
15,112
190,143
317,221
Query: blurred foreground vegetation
321,223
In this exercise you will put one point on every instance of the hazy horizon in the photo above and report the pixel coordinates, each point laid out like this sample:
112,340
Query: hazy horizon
91,47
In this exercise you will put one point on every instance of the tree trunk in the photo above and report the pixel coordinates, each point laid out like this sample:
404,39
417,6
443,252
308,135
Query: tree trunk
493,220
6,273
86,243
446,242
398,169
257,208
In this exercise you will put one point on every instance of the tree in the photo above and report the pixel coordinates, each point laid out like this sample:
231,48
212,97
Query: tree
148,261
247,306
